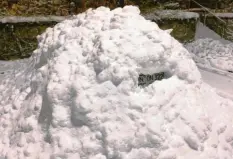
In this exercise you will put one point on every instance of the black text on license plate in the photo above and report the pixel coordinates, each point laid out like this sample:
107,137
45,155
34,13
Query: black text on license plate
148,79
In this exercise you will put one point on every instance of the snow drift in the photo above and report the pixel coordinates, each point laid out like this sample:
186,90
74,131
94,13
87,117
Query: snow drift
78,95
212,54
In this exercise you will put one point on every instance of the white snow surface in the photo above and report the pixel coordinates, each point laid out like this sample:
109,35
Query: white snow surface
223,83
212,54
78,97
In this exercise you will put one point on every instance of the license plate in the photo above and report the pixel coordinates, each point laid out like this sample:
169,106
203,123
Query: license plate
148,79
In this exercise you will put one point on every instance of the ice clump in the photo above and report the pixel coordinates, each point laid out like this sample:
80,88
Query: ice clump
78,95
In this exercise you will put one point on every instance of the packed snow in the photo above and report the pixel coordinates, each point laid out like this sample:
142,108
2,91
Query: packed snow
78,97
212,53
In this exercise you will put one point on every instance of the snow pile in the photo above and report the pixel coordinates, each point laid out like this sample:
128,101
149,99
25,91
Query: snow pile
212,53
78,96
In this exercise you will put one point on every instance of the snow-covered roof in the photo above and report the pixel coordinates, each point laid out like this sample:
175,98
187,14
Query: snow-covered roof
221,15
171,14
38,19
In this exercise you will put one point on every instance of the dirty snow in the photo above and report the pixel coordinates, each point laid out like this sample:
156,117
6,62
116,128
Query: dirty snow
212,53
77,97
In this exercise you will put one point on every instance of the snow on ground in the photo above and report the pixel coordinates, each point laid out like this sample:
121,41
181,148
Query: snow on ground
223,84
8,68
78,95
212,54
